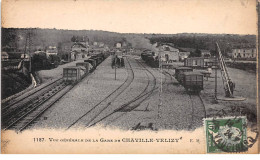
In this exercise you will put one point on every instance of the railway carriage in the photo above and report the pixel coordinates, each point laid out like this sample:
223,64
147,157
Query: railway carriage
193,81
100,59
73,74
180,71
92,62
84,64
96,60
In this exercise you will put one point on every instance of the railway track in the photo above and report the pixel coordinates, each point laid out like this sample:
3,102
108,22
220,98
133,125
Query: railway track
7,105
27,101
22,116
106,102
197,107
134,103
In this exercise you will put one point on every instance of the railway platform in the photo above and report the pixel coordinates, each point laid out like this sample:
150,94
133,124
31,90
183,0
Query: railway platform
81,98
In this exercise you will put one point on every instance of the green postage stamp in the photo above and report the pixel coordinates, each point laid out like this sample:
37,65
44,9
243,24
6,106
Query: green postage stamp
226,134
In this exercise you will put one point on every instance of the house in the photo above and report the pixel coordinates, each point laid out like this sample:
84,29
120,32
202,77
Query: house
52,50
79,47
118,45
4,56
78,51
205,53
124,44
187,49
101,44
75,55
183,55
244,53
39,52
169,53
95,43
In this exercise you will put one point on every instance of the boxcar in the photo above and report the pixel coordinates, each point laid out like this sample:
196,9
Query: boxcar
92,62
100,59
84,64
179,73
193,81
96,60
73,74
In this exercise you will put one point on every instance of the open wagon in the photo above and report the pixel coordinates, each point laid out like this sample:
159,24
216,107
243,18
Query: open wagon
73,74
193,81
180,71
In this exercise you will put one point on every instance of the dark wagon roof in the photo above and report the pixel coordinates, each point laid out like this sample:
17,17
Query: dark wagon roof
81,63
72,67
192,73
181,68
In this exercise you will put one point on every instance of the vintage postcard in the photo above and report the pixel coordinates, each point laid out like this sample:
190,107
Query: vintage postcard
129,76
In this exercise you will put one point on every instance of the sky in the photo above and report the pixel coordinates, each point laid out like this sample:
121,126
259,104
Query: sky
134,16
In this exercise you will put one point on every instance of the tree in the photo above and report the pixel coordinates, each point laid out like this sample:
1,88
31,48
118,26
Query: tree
74,39
196,53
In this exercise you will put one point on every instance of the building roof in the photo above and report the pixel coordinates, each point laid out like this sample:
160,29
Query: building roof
243,48
204,50
168,44
51,51
187,49
39,52
80,44
73,67
4,54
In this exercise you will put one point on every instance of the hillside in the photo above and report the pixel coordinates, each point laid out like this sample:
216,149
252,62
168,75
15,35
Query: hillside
45,37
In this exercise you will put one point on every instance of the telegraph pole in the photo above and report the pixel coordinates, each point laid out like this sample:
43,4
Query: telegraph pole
160,92
216,73
29,52
115,68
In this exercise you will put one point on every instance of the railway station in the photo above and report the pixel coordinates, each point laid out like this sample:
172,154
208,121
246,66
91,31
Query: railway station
127,91
85,84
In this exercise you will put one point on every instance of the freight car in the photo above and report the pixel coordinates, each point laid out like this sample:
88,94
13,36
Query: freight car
179,73
92,62
84,64
73,74
97,61
193,81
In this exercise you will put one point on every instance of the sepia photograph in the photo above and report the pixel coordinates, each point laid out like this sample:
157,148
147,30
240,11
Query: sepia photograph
129,76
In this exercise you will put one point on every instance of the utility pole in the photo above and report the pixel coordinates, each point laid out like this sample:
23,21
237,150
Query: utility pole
115,67
216,73
29,52
160,92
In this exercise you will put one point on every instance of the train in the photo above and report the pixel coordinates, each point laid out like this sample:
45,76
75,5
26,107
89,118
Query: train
74,74
191,80
179,73
150,59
